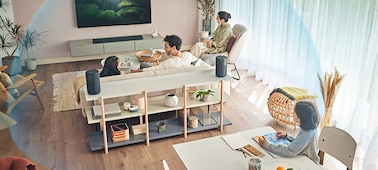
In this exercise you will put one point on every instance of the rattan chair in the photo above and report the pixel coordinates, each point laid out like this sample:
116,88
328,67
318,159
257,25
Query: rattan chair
281,108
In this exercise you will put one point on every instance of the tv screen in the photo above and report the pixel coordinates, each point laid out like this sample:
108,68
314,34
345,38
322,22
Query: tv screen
92,13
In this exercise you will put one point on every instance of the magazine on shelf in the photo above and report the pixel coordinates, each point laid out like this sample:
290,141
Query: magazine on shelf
272,137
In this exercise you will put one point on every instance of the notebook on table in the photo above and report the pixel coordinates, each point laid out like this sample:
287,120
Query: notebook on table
111,110
271,137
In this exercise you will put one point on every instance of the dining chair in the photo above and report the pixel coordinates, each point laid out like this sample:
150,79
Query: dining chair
234,48
338,144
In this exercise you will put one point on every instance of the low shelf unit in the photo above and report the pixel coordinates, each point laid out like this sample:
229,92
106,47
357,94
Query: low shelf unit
155,105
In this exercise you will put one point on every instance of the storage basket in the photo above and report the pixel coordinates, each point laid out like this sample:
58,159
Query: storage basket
281,108
120,132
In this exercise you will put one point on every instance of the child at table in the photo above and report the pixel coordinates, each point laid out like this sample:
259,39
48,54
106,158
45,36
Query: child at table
306,141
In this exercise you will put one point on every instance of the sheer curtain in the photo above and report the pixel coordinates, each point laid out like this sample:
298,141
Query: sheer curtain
291,41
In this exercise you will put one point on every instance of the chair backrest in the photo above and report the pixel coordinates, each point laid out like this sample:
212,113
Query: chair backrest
241,34
337,143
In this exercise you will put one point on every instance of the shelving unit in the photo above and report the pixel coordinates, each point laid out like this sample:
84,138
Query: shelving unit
154,105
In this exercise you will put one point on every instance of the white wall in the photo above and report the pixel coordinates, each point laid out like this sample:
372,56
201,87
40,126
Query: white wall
58,17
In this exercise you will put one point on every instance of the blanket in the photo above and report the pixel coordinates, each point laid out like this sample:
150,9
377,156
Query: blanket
294,93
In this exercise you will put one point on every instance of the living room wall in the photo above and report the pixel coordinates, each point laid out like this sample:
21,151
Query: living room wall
58,18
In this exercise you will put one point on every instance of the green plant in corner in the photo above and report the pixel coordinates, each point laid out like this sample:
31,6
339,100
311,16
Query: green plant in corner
204,94
11,32
10,38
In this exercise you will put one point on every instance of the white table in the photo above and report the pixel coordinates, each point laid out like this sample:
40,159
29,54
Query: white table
215,153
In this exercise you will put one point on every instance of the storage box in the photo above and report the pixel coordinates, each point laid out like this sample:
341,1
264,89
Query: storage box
139,129
120,132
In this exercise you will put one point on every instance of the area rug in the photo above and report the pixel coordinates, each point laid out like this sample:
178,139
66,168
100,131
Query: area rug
63,93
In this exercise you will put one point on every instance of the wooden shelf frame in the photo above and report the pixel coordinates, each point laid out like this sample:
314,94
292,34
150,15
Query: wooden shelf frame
156,105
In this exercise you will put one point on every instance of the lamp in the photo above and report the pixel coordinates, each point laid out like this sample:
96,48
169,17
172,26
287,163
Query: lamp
6,121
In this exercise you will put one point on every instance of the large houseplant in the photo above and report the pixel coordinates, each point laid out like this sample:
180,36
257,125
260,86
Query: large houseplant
10,39
30,41
208,10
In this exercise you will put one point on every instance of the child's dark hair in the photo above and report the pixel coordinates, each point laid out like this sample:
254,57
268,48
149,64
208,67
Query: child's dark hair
224,15
308,114
173,40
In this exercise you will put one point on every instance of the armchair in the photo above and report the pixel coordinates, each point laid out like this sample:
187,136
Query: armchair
234,47
23,85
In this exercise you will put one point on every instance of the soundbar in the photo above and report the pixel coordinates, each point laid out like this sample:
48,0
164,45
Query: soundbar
116,39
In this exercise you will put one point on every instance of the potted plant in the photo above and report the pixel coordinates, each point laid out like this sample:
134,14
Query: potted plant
204,94
30,41
329,87
10,39
208,11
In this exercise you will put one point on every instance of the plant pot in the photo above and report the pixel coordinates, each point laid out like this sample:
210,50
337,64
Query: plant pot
31,64
13,63
205,98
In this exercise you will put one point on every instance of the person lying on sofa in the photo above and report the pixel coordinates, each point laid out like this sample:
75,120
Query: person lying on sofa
111,67
172,45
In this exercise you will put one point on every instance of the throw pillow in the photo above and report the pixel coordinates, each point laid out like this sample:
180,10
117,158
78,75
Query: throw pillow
7,81
230,43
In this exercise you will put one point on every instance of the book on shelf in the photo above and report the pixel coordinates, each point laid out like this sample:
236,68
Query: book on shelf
272,137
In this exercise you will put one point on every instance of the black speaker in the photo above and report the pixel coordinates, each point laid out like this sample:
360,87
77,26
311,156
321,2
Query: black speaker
221,66
93,81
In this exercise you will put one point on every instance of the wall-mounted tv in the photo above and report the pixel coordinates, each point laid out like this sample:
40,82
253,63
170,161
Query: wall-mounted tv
92,13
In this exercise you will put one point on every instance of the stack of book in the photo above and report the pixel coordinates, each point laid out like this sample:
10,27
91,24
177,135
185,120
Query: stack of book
120,132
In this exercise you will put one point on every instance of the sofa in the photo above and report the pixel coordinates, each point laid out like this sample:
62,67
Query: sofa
80,82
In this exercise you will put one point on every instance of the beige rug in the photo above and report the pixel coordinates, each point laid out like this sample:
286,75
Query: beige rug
63,92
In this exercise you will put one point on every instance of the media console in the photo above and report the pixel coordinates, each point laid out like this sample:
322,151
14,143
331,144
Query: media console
97,46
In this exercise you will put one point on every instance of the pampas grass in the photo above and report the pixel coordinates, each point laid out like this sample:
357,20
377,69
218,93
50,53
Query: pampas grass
329,86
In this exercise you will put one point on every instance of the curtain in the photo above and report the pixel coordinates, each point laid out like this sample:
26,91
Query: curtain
291,41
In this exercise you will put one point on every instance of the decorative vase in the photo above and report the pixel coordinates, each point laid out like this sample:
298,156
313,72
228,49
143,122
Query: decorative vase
170,100
206,25
160,126
139,100
327,118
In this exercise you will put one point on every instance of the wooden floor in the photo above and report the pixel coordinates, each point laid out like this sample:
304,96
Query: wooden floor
58,140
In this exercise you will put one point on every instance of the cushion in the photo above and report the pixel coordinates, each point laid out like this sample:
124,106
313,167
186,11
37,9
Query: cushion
7,81
230,43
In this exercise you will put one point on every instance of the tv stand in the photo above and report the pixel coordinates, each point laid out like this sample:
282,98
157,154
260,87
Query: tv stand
107,45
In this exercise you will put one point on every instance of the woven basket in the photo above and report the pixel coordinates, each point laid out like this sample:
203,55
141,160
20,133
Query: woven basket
281,108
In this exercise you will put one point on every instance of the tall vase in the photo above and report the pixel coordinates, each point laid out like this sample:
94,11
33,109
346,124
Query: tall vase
327,118
206,26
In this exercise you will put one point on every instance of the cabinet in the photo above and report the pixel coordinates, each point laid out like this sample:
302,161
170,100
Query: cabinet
87,47
101,139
